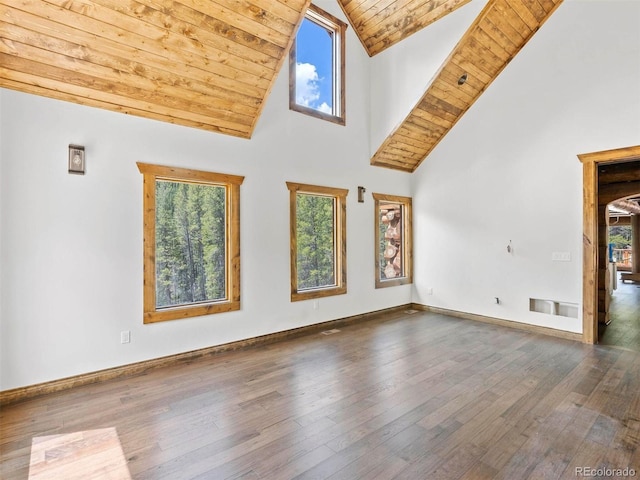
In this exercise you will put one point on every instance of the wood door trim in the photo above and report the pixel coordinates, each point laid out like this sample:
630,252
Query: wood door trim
590,162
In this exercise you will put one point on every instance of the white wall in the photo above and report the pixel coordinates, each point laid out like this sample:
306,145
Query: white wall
508,171
71,250
71,246
401,74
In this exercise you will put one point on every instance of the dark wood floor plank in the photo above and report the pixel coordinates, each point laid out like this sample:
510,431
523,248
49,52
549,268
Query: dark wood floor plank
376,461
480,471
624,315
398,397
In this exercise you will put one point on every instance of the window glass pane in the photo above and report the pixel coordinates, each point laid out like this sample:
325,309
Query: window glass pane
315,235
314,67
390,246
190,243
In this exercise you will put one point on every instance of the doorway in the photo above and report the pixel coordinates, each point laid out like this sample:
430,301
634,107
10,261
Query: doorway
594,229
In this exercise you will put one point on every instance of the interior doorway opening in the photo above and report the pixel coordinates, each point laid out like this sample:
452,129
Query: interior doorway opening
608,176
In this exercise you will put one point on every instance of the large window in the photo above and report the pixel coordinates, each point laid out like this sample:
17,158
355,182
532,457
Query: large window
191,242
318,241
394,252
316,67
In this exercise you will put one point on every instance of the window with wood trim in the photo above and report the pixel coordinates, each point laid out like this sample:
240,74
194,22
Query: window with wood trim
393,232
316,67
318,241
191,242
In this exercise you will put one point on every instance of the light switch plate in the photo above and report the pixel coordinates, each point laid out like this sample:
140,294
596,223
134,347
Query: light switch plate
561,256
76,159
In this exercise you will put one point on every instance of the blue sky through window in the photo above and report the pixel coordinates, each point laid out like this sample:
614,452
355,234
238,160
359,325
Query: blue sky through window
314,67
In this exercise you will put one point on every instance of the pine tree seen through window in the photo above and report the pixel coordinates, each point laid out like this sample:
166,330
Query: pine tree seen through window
190,246
191,242
315,233
318,241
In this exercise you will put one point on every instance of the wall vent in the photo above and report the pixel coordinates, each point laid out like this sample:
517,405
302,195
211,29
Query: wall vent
553,307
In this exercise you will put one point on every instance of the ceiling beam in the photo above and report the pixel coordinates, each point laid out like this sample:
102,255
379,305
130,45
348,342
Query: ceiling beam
617,191
495,37
379,25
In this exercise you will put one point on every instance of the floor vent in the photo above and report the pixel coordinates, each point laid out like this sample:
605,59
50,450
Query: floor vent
330,332
410,311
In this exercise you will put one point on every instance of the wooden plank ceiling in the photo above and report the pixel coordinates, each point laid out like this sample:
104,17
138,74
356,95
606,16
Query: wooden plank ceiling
383,23
206,64
495,37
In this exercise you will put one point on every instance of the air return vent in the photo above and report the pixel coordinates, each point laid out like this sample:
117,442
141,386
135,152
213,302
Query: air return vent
553,307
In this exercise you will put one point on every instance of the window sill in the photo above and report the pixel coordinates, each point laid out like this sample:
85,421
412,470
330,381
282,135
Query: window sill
188,311
317,293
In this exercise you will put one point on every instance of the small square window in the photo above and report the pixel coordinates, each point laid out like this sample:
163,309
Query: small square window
316,67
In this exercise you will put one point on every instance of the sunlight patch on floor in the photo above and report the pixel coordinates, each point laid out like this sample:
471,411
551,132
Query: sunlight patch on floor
92,454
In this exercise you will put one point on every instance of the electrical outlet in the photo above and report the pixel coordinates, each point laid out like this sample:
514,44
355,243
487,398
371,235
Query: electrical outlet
125,336
430,291
316,304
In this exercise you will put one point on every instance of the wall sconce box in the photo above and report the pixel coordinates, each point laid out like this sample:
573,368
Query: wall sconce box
76,159
361,191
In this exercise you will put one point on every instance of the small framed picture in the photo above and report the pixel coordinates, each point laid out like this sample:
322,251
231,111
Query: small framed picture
76,159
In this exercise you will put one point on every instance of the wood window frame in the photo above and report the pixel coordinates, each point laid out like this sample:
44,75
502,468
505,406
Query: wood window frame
340,225
328,21
153,173
407,239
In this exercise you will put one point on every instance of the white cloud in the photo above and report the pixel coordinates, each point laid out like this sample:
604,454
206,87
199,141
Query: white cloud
308,89
324,108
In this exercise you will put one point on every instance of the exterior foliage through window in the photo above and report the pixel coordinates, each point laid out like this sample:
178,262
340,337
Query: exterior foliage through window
318,241
315,233
191,242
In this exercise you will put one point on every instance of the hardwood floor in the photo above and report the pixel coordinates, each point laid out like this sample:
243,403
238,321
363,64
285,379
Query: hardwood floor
624,328
91,454
420,396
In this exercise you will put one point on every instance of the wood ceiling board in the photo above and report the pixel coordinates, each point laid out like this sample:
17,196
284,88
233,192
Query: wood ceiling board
424,125
73,98
264,54
99,93
619,172
410,25
379,24
204,64
617,191
210,24
510,37
42,32
482,54
119,70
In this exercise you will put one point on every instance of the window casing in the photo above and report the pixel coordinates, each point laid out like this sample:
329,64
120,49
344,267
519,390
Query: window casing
191,243
394,244
318,220
307,93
